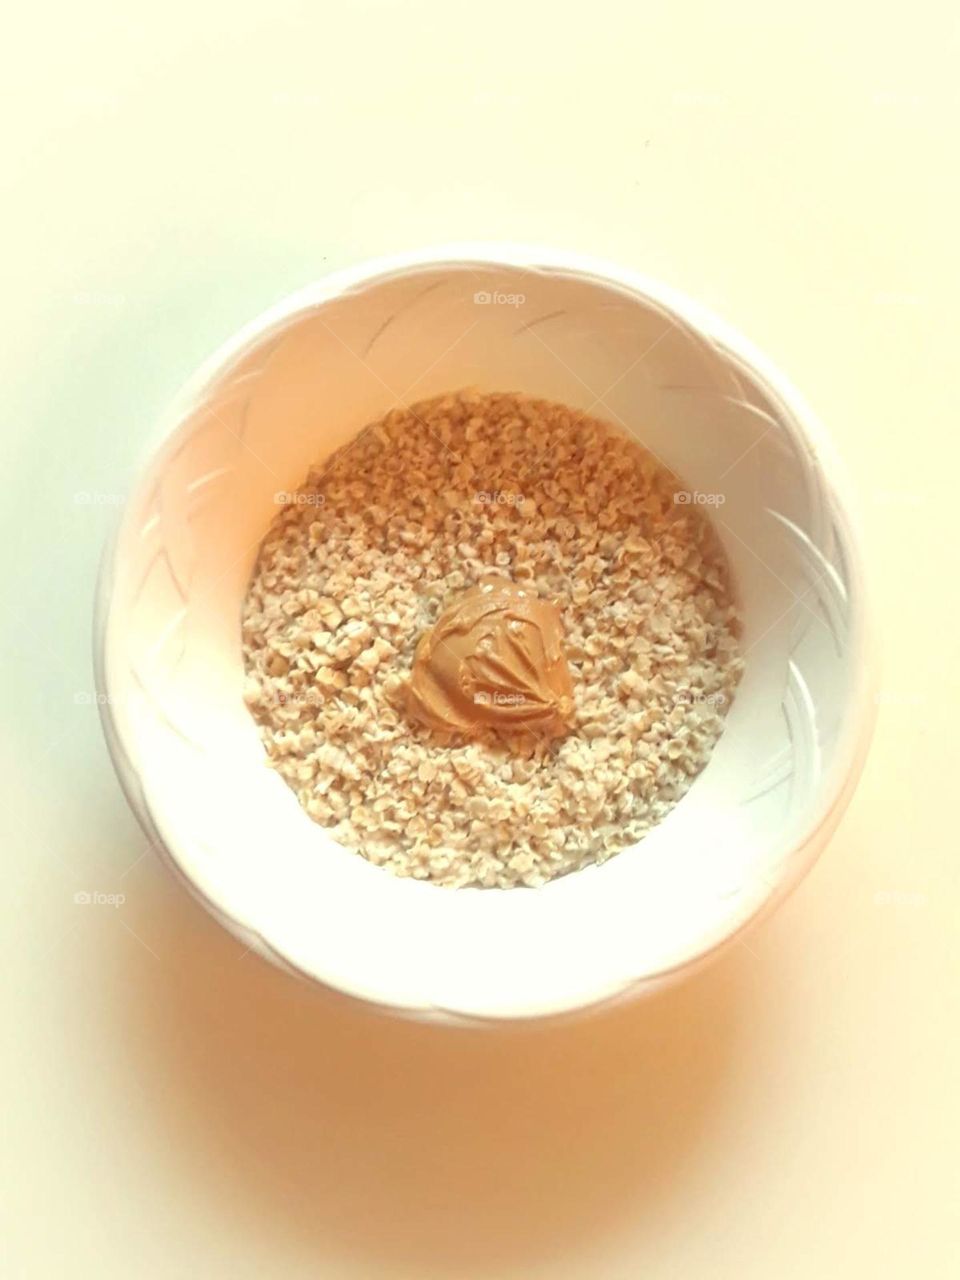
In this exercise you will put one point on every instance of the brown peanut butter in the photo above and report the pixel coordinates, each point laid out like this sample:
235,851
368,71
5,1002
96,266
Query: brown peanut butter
492,660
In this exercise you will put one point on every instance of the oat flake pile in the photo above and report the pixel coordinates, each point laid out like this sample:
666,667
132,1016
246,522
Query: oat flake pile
360,563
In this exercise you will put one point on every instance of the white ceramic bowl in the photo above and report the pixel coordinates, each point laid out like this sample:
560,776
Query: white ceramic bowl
299,382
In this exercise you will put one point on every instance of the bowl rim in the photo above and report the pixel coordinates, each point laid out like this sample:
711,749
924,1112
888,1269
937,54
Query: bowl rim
527,257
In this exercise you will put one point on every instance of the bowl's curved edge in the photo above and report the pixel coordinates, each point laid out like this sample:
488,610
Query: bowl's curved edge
526,257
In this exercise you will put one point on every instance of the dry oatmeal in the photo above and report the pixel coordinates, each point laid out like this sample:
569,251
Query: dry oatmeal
391,532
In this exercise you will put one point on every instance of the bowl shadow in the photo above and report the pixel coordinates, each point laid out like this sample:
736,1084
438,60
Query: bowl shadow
387,1139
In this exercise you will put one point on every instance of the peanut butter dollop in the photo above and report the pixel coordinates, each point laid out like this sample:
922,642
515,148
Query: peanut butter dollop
492,660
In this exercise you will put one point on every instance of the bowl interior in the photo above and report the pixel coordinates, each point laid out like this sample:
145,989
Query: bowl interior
302,382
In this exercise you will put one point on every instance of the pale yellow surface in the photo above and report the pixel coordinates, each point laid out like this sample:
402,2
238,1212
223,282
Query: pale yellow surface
173,1108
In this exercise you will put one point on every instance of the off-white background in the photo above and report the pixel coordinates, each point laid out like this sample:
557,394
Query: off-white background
174,1108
